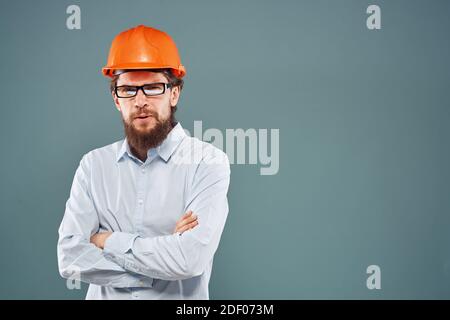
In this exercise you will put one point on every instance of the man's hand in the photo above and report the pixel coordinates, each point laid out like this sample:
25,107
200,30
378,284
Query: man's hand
186,222
99,239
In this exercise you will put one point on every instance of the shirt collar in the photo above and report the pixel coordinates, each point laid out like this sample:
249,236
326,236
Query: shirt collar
164,150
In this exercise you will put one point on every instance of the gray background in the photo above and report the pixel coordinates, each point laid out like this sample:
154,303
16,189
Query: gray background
363,118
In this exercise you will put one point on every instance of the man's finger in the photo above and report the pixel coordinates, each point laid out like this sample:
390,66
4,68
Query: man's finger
186,221
187,214
188,226
186,218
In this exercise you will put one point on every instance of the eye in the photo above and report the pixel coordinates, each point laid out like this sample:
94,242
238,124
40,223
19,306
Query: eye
129,90
126,91
154,89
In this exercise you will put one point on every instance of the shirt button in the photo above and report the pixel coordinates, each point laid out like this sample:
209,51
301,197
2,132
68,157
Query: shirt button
143,170
140,201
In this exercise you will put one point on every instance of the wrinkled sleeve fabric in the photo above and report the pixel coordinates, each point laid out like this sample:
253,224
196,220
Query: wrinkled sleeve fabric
187,255
77,257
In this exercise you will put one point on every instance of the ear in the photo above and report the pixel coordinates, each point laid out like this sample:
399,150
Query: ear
174,96
116,100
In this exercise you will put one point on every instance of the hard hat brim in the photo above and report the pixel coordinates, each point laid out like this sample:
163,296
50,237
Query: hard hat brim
179,71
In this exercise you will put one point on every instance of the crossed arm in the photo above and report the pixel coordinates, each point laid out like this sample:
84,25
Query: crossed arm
120,259
107,273
186,222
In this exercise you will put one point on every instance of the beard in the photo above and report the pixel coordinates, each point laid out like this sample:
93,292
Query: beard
150,138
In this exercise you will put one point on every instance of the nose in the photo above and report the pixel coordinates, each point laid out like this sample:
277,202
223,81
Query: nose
140,100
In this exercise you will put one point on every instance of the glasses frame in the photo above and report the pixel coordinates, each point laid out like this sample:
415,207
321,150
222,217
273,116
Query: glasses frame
165,87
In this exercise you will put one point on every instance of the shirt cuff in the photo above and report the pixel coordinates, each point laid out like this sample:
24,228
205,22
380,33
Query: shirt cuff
115,249
119,242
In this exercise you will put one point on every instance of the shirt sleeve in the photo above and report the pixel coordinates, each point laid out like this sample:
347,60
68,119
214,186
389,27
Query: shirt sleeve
77,257
187,255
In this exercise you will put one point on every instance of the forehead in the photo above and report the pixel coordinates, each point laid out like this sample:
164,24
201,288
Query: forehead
138,78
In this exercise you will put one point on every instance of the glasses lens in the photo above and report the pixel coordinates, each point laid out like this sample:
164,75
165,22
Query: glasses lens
126,92
154,89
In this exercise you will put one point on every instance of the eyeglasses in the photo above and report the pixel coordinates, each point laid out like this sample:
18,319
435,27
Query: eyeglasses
150,90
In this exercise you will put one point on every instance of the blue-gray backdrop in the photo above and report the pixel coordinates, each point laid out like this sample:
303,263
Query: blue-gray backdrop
363,119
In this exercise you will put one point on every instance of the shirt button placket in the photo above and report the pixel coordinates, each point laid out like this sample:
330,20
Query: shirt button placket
140,199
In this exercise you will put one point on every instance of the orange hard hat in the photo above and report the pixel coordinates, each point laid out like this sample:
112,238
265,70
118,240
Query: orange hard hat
143,47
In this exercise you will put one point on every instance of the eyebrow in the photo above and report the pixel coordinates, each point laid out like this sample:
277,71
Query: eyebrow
134,85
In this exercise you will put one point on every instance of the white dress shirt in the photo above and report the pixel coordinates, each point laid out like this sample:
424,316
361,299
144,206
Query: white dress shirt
140,202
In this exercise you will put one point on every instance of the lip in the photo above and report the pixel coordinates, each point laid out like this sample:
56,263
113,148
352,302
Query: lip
143,116
142,120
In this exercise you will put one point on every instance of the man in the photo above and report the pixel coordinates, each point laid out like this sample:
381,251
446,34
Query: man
145,214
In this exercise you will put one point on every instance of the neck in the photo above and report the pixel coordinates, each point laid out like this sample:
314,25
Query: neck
141,154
